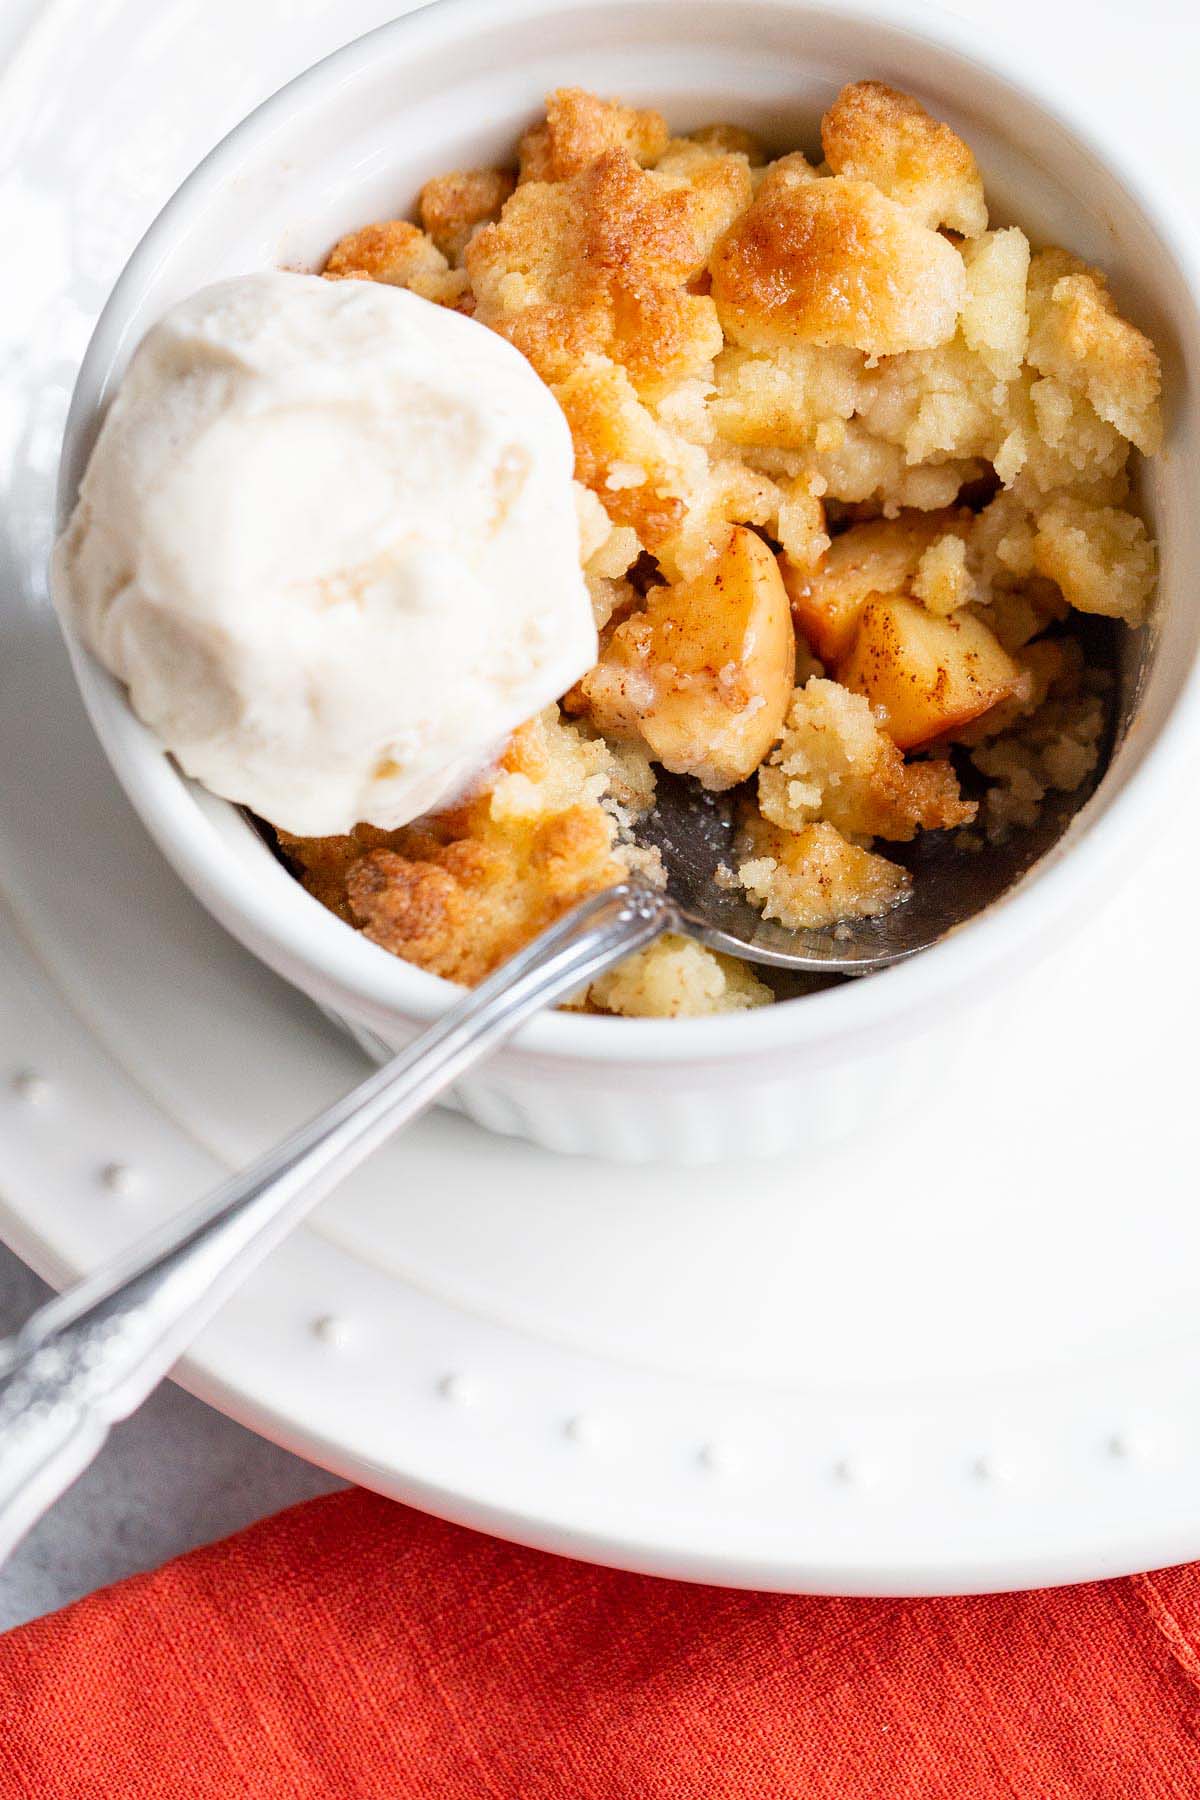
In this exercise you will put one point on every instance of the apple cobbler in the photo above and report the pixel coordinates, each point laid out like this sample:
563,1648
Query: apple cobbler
850,462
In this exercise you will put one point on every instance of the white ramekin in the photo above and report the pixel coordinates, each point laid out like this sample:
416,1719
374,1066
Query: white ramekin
452,85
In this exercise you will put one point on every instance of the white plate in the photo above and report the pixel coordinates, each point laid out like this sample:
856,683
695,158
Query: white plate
966,1355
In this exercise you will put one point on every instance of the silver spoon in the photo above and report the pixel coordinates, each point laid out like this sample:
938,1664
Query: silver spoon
90,1356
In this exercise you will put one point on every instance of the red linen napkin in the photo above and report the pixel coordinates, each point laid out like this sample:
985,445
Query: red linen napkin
353,1650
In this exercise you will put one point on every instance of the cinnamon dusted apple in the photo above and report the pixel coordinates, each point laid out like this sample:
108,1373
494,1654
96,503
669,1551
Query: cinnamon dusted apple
703,675
926,676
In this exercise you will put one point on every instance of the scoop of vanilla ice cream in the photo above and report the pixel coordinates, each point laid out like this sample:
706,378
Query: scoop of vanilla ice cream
328,539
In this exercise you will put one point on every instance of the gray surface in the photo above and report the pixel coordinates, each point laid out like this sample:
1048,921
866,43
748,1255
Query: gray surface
175,1475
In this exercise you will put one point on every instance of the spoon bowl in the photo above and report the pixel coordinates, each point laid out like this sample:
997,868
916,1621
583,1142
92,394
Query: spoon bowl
696,834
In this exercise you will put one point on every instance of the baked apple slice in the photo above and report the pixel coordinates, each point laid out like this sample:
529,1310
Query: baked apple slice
928,675
704,675
878,557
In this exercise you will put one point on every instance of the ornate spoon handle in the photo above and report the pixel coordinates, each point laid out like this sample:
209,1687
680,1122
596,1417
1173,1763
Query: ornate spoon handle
90,1356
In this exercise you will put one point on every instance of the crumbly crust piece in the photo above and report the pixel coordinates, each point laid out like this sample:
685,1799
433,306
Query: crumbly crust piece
815,877
835,763
875,133
831,262
995,322
785,398
400,255
453,207
943,580
599,263
458,892
579,128
1078,337
1101,558
643,473
677,978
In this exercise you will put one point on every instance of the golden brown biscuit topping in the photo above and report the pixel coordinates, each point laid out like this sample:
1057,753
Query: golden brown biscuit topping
831,262
877,134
